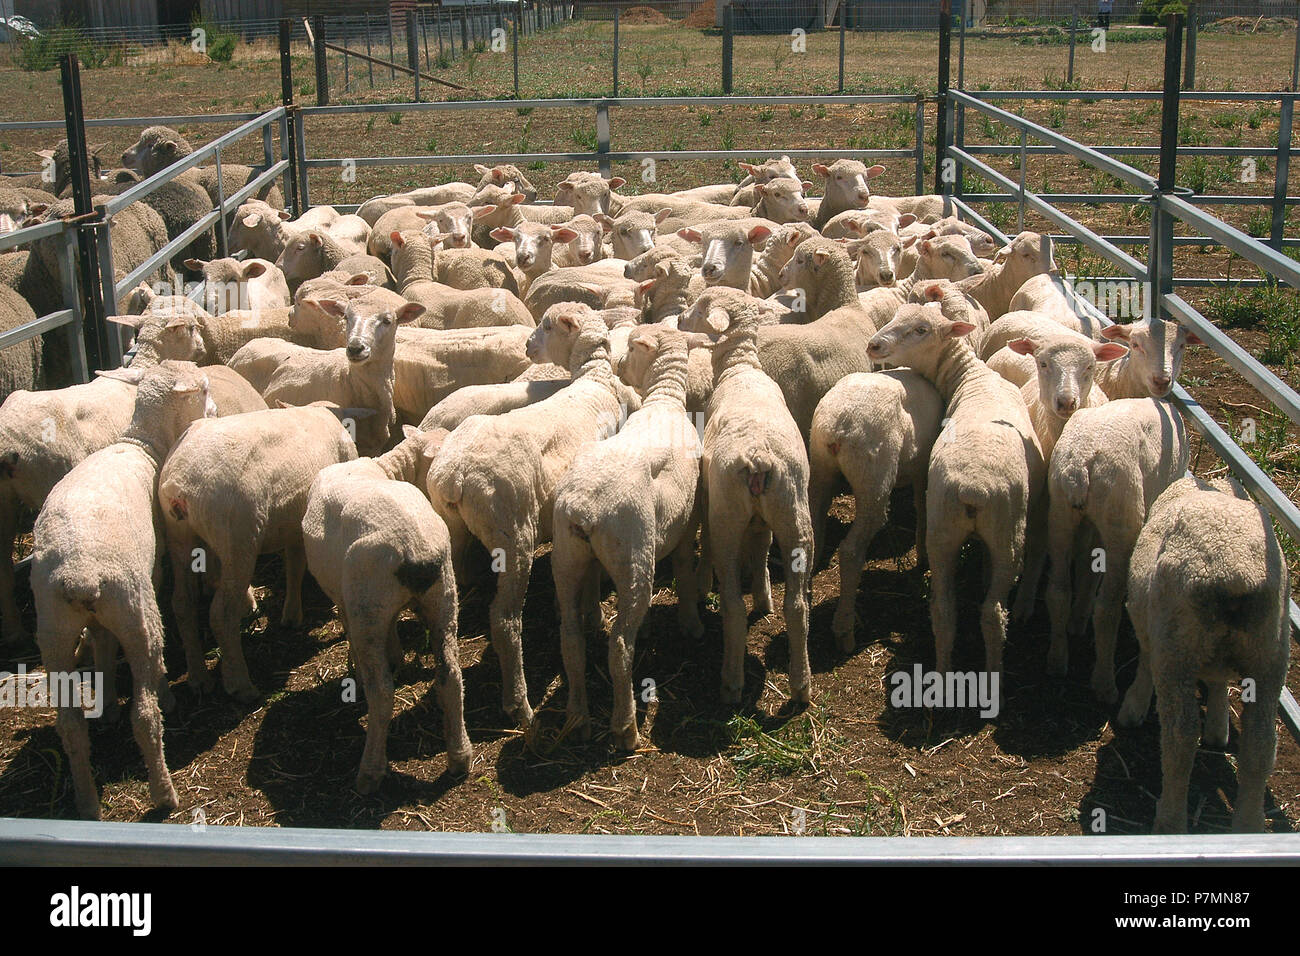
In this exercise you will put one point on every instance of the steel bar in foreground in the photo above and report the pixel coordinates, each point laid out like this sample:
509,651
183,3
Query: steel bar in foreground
84,843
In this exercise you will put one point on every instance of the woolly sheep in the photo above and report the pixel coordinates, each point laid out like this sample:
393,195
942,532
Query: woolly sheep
376,548
755,486
1028,254
230,284
1153,361
623,504
311,253
1208,596
873,430
495,477
95,550
159,147
447,307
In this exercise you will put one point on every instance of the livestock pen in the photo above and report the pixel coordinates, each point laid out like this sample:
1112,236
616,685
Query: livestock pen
850,799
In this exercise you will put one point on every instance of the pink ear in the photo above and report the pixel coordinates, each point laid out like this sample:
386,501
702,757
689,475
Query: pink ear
805,185
958,329
563,234
570,320
910,241
254,269
874,171
1115,332
1194,339
314,238
284,216
396,238
515,200
330,307
906,219
926,246
646,286
662,214
821,169
689,234
410,312
934,292
503,233
820,256
1025,346
1108,351
760,189
617,182
758,233
482,212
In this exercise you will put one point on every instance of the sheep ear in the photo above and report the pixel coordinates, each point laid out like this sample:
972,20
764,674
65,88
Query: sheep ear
503,234
177,322
481,169
646,286
910,241
131,321
760,189
426,214
805,185
820,256
689,234
329,307
129,375
396,238
874,171
1120,332
410,312
314,238
482,212
254,269
251,220
934,292
284,215
189,388
1108,351
926,246
563,234
437,238
1027,346
662,214
758,234
699,340
195,265
566,319
359,278
45,153
410,431
905,220
957,329
661,270
617,182
606,224
821,169
1193,338
515,199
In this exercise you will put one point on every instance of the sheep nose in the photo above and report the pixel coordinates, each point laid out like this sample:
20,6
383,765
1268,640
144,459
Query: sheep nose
627,271
584,256
1162,382
874,350
1066,406
355,349
709,270
863,195
458,238
886,277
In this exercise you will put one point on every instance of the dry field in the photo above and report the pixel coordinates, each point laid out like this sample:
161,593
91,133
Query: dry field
850,763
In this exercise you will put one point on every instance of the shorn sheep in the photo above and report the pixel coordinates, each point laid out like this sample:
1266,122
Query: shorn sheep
624,503
495,476
376,548
755,486
96,548
1208,593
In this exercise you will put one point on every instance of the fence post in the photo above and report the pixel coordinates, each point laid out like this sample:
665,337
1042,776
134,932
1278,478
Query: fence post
959,115
1160,256
94,327
602,137
728,26
1074,29
844,16
519,6
941,121
424,37
616,51
1189,59
347,79
290,147
413,51
1295,62
370,63
322,67
1278,228
392,57
464,29
920,145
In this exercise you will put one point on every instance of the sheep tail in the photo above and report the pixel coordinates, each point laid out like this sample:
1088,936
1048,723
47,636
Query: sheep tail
83,593
1238,605
418,576
1073,480
756,468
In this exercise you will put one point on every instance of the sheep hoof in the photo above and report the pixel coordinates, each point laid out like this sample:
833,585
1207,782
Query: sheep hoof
843,633
1104,687
763,603
167,800
731,695
626,738
166,699
521,715
89,809
458,764
1128,715
368,781
801,695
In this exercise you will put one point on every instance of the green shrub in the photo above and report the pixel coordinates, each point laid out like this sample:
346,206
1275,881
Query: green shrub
42,52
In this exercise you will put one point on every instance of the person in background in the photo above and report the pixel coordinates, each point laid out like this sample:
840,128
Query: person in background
1103,13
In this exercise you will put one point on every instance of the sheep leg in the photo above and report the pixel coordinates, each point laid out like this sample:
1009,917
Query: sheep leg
688,597
1105,623
869,515
1216,714
993,612
704,570
1062,523
1180,717
145,656
295,566
1137,701
1255,757
185,599
943,540
757,543
393,646
1035,557
368,649
633,603
728,534
506,617
11,622
793,534
104,645
918,502
1086,583
570,559
229,605
58,641
821,484
451,685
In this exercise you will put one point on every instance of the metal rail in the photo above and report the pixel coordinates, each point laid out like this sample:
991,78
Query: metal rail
82,843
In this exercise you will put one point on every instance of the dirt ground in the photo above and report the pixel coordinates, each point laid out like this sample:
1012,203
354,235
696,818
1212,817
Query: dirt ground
850,763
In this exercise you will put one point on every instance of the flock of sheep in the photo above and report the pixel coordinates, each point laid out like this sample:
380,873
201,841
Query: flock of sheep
684,375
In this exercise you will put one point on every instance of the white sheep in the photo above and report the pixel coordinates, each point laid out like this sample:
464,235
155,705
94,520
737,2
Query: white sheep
985,475
447,307
93,562
495,476
623,504
1109,466
1153,361
235,488
1028,254
1209,593
755,486
230,284
376,548
873,430
728,249
765,274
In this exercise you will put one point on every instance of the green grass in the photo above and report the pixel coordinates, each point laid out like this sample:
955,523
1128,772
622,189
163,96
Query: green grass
792,748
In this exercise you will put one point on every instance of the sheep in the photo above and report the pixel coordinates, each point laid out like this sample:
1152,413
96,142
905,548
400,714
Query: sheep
308,255
782,200
728,250
590,193
765,274
858,223
376,548
1209,593
982,244
230,284
360,375
1153,361
1019,324
631,233
495,477
448,307
755,485
20,365
878,256
219,337
95,550
469,270
585,246
159,147
721,193
672,288
1109,466
530,247
372,209
1028,254
262,231
764,172
237,487
846,188
1063,380
623,504
492,399
1048,293
985,474
454,221
944,257
643,266
599,285
875,431
956,305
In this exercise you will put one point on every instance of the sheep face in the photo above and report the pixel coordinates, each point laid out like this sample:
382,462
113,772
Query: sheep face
631,234
878,256
728,251
1034,251
808,264
783,200
1065,370
588,195
643,347
371,326
1157,348
156,149
453,221
916,336
643,266
507,175
772,169
846,182
303,258
553,339
947,257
